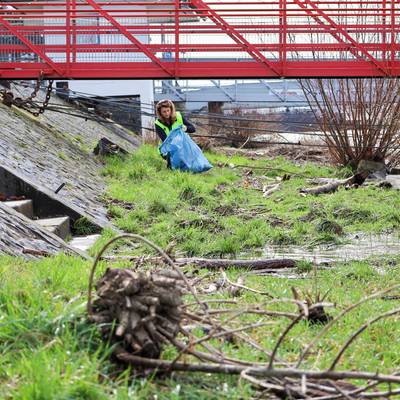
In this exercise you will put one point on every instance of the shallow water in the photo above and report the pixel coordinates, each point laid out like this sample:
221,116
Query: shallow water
360,247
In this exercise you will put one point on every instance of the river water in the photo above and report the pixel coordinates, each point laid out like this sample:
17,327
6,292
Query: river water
359,247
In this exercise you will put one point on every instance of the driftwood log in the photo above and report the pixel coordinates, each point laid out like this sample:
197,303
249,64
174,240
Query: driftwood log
224,263
357,179
215,263
133,307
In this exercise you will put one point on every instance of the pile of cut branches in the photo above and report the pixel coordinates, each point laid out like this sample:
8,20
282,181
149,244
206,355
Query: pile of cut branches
145,311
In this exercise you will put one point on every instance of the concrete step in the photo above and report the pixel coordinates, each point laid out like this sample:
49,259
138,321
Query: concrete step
22,206
83,243
60,226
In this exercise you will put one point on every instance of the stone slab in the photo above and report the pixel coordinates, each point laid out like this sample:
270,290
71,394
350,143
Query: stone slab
60,226
24,207
18,233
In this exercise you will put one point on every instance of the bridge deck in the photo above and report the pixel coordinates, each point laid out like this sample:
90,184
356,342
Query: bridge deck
92,39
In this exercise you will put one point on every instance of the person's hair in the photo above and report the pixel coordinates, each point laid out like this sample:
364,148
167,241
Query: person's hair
166,104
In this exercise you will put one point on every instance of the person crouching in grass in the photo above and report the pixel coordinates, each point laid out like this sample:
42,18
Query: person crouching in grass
169,119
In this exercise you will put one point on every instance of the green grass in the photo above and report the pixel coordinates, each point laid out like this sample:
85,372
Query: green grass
49,351
62,155
219,214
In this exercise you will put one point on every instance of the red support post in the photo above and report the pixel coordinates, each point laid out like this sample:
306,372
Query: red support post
393,36
74,31
283,34
384,33
68,35
177,39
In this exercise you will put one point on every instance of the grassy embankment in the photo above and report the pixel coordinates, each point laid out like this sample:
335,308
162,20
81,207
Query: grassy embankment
220,213
48,351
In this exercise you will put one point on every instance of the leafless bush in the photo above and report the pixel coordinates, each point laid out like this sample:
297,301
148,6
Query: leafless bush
359,118
244,126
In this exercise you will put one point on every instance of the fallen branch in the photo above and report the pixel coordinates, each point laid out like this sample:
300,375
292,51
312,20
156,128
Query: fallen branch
259,263
259,372
35,252
357,179
211,263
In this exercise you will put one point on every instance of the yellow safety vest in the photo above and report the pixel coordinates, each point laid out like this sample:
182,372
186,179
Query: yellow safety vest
176,124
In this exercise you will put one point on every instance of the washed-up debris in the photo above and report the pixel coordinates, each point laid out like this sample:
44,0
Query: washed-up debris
40,253
269,189
4,197
384,185
354,181
224,285
317,315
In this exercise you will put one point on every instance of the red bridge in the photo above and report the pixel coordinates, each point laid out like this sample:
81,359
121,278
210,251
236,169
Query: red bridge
83,39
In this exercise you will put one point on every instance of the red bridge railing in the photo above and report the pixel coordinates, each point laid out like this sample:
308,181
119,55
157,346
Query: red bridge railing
73,39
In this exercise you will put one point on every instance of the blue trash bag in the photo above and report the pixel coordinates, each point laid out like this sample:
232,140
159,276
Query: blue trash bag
184,152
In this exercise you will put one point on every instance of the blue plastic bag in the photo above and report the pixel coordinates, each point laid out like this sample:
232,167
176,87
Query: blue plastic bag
184,152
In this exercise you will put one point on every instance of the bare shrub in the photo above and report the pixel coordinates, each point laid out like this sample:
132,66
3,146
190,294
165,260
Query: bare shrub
358,117
237,128
244,126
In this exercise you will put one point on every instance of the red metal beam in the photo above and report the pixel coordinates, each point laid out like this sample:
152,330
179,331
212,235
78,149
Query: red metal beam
115,48
201,70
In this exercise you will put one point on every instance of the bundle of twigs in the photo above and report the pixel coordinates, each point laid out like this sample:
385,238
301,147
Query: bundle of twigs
200,329
143,304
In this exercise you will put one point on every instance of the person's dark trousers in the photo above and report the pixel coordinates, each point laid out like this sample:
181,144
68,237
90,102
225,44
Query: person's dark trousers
168,159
